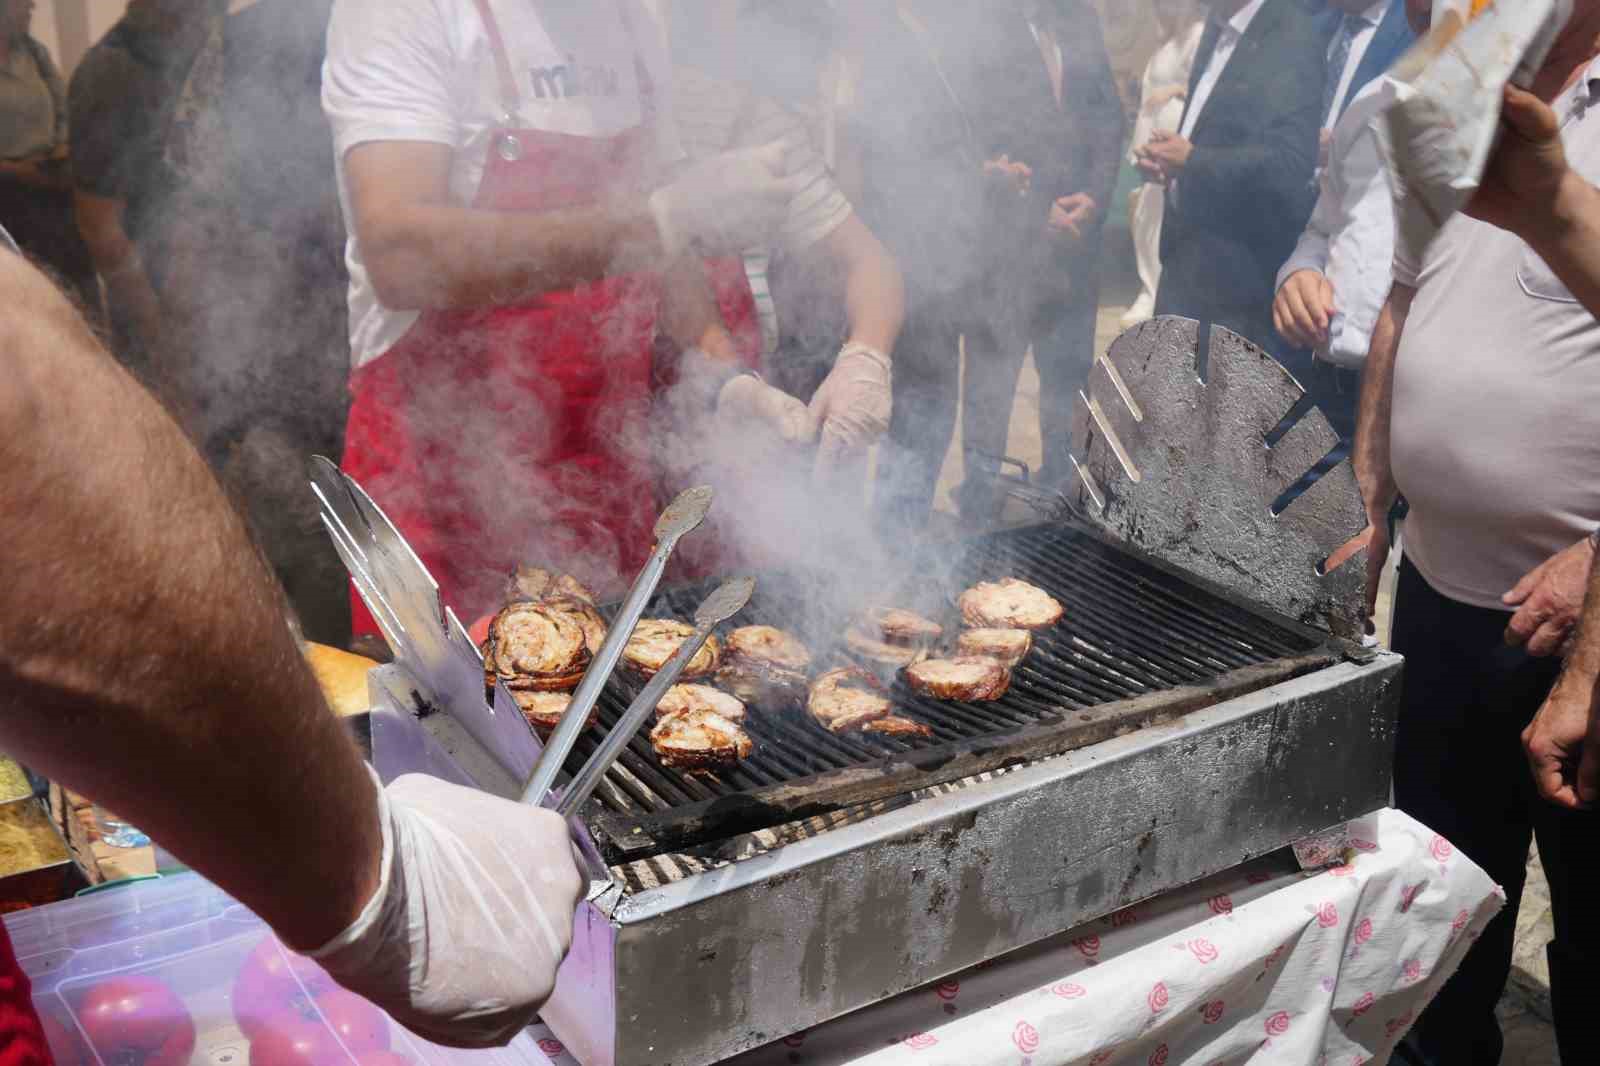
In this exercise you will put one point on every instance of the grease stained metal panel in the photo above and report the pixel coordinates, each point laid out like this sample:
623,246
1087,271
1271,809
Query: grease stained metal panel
1138,644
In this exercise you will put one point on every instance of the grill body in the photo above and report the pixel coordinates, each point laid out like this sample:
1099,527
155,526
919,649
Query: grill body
702,968
1167,730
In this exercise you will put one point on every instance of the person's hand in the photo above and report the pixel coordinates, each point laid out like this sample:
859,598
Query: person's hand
1017,175
1303,309
1324,148
1549,600
1162,97
747,400
1563,744
1526,170
1169,152
853,405
725,204
1071,214
472,916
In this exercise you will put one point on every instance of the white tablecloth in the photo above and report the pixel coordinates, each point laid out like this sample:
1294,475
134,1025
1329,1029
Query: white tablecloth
1324,968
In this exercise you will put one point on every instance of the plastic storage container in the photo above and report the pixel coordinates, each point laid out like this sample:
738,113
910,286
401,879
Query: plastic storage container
175,973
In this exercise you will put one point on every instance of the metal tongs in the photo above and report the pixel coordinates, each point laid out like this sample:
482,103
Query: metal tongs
680,518
721,605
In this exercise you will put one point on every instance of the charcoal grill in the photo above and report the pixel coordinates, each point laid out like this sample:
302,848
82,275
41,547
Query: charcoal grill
1172,726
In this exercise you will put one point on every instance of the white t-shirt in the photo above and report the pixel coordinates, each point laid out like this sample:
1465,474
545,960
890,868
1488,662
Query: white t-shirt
1495,433
423,70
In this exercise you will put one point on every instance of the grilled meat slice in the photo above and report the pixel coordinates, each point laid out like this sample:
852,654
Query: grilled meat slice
534,649
969,678
700,740
869,649
764,665
845,700
534,584
896,626
684,699
655,640
893,726
544,710
1010,646
1009,604
583,612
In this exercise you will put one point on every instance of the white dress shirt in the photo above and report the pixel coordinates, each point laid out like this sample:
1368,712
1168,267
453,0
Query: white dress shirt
1350,237
1371,18
1230,34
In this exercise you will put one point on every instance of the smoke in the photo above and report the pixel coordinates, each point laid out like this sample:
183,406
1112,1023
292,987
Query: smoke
260,306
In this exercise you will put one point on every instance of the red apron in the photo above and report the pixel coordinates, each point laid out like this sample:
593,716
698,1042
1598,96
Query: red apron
22,1040
516,434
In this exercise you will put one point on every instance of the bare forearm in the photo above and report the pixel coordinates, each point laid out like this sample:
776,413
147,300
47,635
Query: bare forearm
1568,239
875,293
1377,394
430,257
1583,660
145,659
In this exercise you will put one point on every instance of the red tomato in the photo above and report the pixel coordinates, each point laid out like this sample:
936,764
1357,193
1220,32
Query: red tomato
273,980
359,1025
137,1021
289,1040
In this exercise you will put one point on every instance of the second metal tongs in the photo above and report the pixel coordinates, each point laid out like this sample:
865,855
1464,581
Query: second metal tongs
720,606
680,518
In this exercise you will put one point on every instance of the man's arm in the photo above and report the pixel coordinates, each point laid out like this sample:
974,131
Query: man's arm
425,253
874,290
145,656
1563,740
146,660
116,259
1303,306
1531,190
1374,474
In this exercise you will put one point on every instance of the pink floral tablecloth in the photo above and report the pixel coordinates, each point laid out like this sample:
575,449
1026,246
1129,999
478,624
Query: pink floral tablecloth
1323,968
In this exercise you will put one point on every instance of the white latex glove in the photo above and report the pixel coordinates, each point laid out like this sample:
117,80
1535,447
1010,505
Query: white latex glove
472,917
748,400
724,204
853,405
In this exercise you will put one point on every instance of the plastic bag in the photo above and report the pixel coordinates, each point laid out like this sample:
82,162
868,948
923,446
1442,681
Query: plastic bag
1441,114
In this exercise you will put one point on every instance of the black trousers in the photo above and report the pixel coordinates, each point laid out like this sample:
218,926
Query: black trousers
927,384
1460,770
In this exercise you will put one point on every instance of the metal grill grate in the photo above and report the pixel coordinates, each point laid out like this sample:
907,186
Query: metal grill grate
1131,633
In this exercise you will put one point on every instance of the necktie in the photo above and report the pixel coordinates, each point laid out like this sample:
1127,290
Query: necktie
1338,59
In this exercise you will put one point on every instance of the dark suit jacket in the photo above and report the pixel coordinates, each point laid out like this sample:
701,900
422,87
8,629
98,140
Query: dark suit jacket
1247,190
1394,36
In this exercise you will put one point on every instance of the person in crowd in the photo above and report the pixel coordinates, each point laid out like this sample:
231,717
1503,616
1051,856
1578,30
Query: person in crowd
1162,92
35,176
1488,330
507,236
254,295
934,128
447,907
717,109
122,95
1238,170
1331,289
1066,128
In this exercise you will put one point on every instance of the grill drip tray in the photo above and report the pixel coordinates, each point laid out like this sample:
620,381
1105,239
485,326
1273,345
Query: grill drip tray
1138,645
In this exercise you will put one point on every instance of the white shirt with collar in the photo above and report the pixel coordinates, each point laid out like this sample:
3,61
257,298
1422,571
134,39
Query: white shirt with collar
1350,237
1230,34
1371,19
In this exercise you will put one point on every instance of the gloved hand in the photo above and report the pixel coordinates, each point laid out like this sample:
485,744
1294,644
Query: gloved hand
854,404
472,916
725,204
747,399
